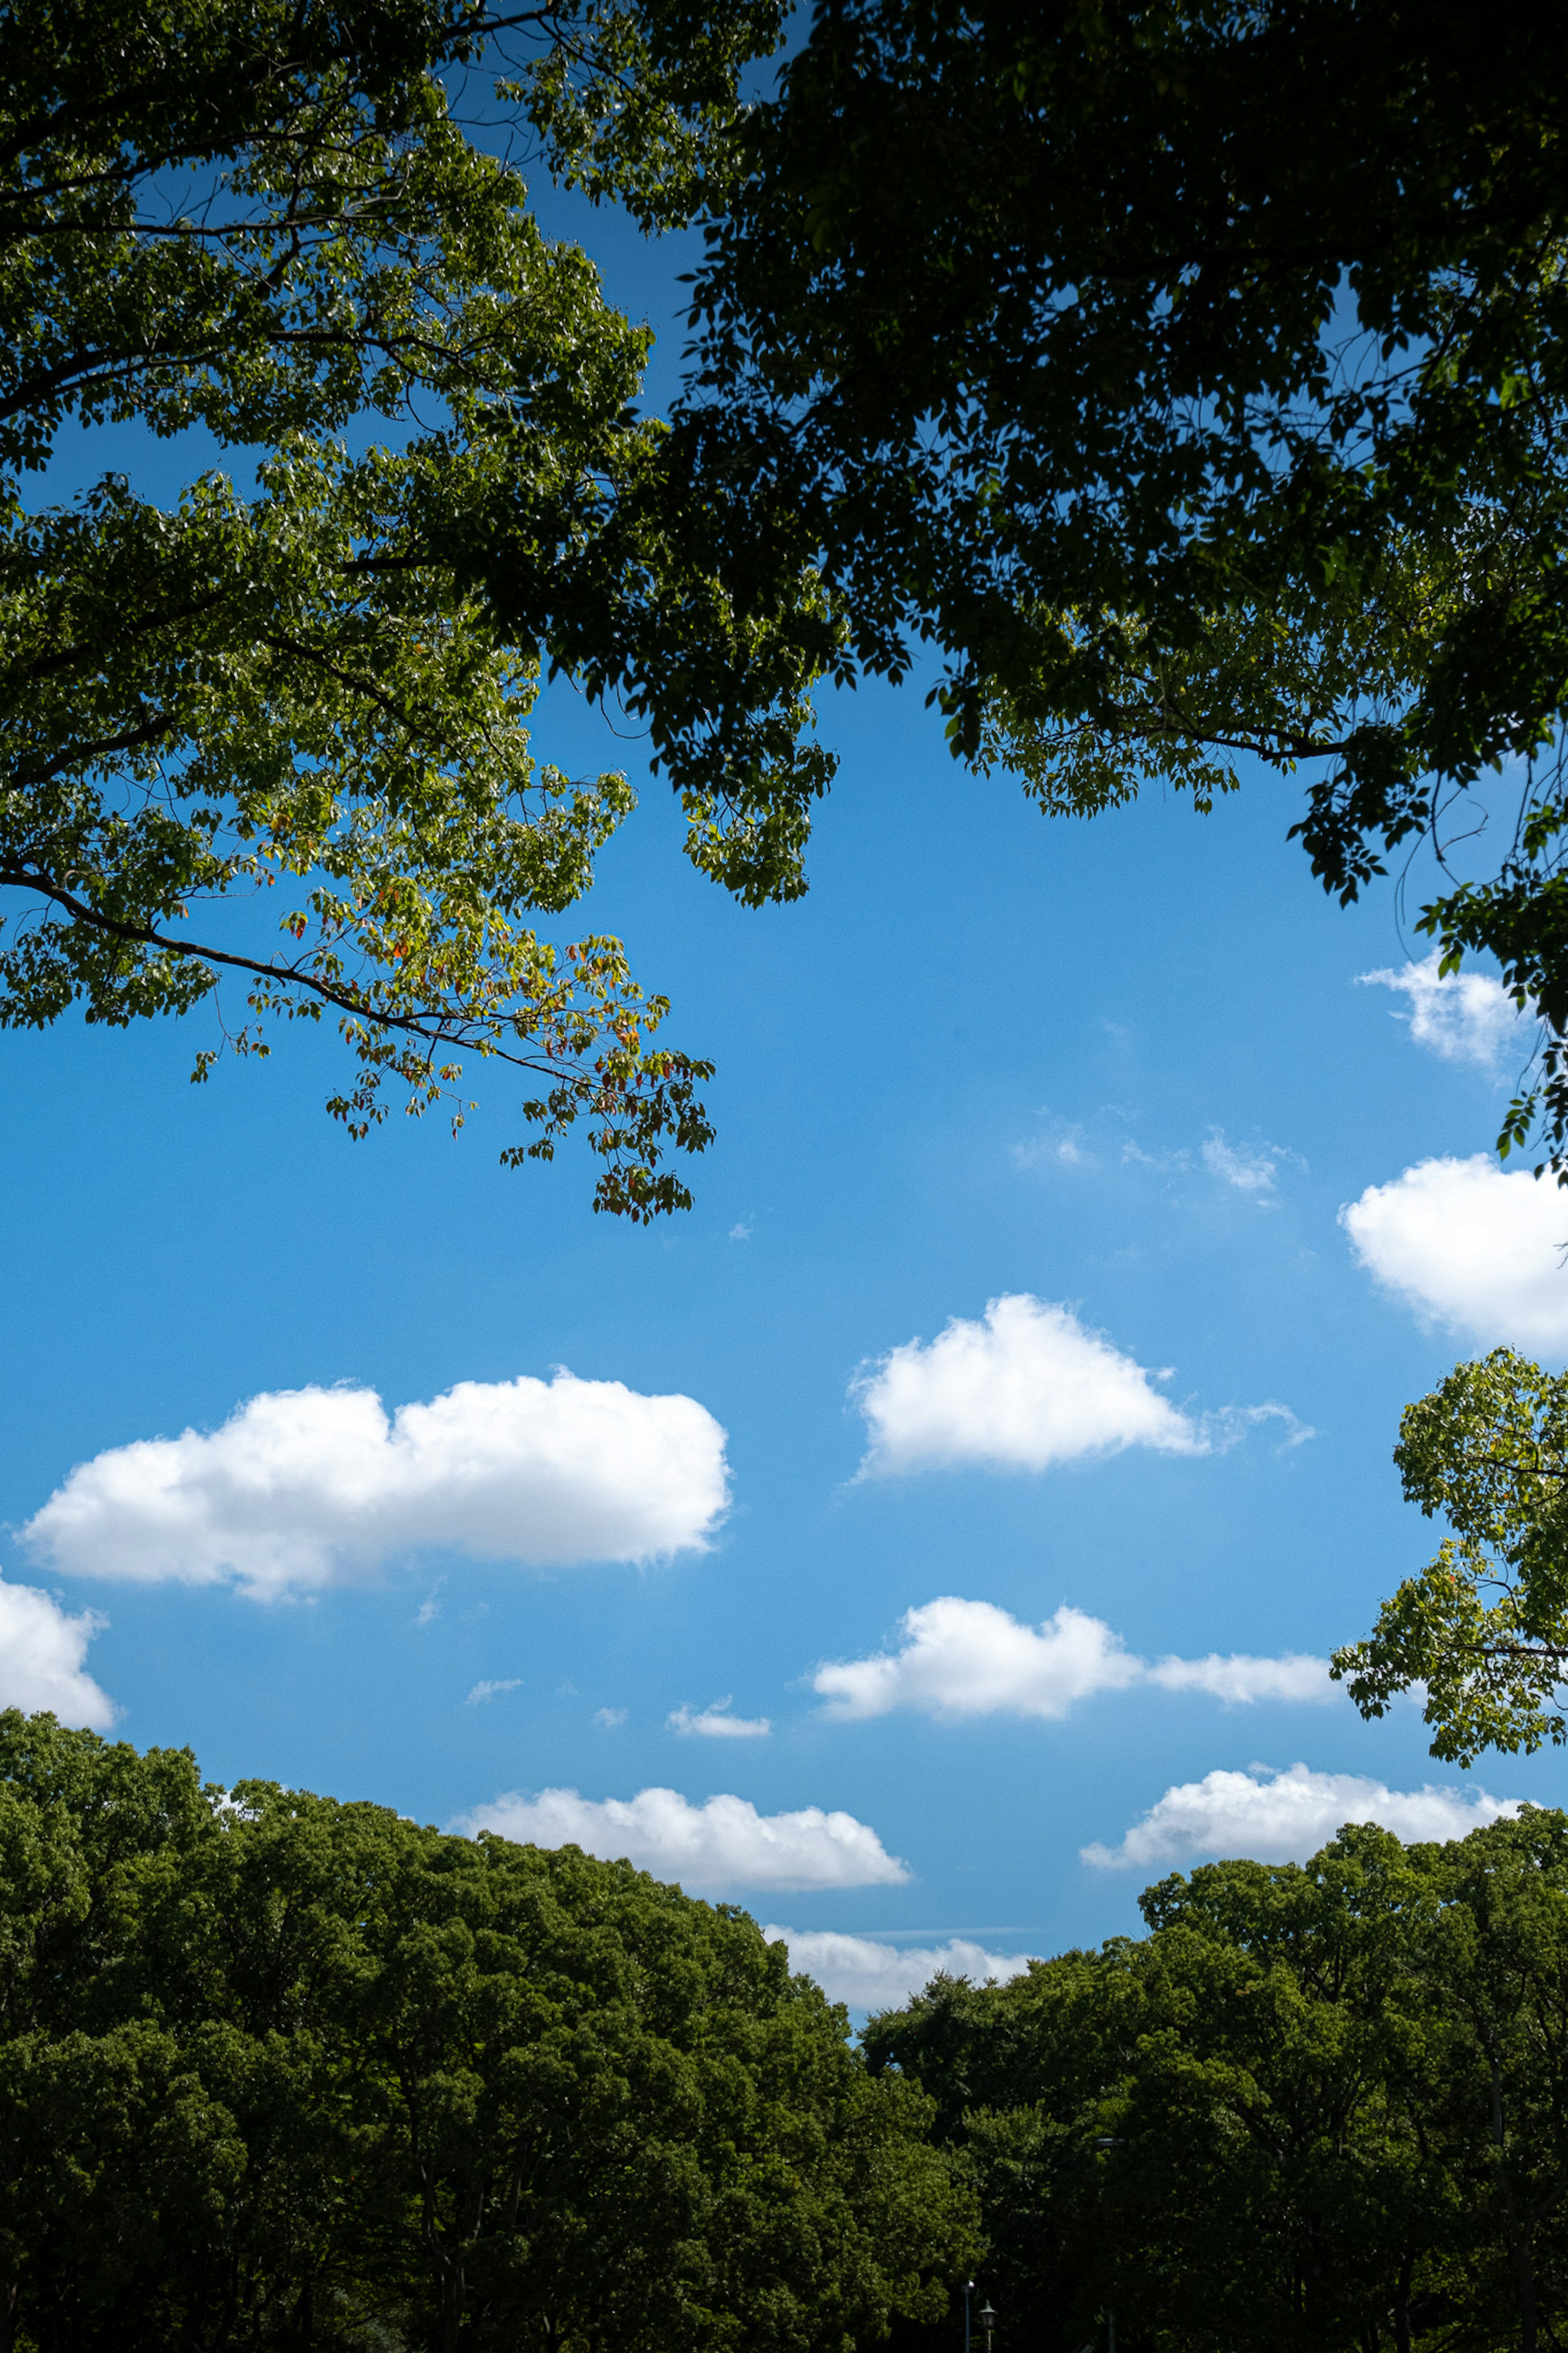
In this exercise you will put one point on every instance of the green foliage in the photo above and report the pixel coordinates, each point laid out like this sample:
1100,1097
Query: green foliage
276,730
278,2072
1323,2106
1192,379
639,104
1484,1626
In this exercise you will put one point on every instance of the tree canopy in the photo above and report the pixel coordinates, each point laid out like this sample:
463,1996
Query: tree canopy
280,2072
1191,378
1188,378
1321,2105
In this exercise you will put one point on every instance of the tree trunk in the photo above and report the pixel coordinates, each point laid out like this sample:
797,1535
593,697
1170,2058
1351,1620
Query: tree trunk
1401,2306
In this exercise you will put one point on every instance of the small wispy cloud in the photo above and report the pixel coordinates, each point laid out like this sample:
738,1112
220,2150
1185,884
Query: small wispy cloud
716,1723
1249,1168
1461,1017
1252,1167
1175,1163
740,1233
1059,1145
430,1610
482,1691
609,1717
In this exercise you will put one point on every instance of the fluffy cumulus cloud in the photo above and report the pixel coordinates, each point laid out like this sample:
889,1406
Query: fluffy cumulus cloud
716,1848
716,1723
1285,1817
43,1654
1025,1387
1466,1244
959,1658
301,1488
867,1973
1467,1017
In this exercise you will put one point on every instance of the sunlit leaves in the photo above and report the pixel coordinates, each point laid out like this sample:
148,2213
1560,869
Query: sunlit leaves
275,730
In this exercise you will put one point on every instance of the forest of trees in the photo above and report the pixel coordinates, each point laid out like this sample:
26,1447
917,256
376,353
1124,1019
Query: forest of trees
278,2072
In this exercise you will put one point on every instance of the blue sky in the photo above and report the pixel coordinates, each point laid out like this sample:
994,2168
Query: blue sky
1124,1068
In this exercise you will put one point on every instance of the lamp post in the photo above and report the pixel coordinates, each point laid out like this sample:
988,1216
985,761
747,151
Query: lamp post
987,2322
968,2286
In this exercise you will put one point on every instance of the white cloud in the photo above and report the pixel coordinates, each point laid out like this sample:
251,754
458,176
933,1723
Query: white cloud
1285,1817
1467,1017
1468,1245
303,1487
1061,1145
609,1717
1025,1387
968,1658
43,1654
714,1848
1251,1170
482,1691
716,1723
1242,1680
867,1974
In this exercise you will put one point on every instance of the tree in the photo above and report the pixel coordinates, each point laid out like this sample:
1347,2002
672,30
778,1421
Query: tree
257,228
1484,1626
278,2071
1191,377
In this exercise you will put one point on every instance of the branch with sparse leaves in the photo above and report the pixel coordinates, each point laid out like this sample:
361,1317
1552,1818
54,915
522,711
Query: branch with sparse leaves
1483,1629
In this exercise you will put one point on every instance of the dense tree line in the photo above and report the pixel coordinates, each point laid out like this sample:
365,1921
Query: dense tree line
277,2072
1319,2106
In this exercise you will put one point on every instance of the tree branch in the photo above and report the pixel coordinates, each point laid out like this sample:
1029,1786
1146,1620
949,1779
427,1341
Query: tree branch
463,1032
